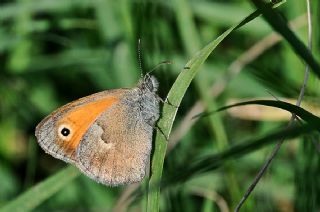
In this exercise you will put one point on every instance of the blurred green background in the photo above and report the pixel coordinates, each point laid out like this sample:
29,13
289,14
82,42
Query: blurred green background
53,52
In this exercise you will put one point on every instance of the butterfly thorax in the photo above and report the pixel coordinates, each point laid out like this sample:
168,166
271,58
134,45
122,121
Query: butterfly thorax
148,99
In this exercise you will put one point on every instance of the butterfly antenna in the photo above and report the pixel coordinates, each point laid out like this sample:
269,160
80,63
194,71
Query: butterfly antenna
139,57
160,64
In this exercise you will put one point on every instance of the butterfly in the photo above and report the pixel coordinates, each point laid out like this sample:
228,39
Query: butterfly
107,135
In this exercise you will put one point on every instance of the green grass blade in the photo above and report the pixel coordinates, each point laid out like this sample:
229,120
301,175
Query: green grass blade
214,161
39,193
281,26
175,96
299,111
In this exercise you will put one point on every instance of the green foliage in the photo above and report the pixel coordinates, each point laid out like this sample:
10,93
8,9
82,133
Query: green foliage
39,193
53,52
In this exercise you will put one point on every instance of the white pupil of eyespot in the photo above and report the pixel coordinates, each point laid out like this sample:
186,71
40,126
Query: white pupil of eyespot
65,131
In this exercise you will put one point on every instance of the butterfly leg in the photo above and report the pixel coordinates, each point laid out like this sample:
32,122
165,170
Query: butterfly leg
156,127
166,102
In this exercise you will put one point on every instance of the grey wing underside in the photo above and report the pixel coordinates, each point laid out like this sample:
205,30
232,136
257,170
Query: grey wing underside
116,148
46,132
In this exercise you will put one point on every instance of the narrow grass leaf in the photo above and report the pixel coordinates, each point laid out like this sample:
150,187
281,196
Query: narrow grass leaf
42,191
214,161
175,96
299,111
280,25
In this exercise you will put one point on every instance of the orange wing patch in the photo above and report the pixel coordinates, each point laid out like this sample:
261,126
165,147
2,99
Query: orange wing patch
79,120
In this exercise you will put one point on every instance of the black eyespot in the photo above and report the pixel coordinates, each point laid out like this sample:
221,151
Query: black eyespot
65,131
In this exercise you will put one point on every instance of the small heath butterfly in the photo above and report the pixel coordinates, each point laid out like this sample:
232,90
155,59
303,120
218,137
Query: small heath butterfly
107,135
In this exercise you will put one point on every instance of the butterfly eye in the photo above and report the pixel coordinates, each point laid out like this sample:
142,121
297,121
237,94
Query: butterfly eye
65,132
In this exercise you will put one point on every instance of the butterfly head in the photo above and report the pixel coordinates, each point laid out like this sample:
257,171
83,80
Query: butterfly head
149,83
